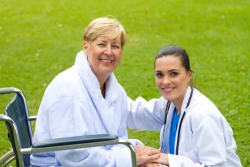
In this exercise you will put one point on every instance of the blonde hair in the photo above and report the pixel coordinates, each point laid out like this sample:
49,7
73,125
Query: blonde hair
106,27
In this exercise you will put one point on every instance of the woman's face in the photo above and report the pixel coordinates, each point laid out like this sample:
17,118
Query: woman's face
171,78
104,55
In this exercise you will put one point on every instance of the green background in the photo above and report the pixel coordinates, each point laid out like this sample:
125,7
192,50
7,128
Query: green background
39,39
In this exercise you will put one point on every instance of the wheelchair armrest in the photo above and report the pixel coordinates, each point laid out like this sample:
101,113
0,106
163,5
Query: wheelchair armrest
8,90
79,142
75,140
5,118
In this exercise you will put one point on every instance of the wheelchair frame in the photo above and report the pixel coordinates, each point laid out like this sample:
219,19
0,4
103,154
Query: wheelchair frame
17,121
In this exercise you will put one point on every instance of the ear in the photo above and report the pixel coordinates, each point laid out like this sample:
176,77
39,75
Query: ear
190,73
85,47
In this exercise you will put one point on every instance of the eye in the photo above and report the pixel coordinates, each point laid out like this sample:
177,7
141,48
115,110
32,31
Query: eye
101,44
174,73
116,46
158,74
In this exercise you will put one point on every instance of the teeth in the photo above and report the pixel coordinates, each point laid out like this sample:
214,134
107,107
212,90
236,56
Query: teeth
168,89
107,61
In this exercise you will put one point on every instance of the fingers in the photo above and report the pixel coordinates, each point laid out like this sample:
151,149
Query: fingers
147,150
153,157
151,164
154,151
146,154
144,150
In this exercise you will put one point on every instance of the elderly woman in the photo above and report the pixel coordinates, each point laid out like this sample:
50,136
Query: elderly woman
86,99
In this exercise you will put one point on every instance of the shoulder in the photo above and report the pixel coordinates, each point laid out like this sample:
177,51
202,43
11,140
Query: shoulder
202,108
201,102
66,83
203,111
68,76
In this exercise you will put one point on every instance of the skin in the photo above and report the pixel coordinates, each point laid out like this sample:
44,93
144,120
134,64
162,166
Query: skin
146,154
162,160
151,164
104,56
172,79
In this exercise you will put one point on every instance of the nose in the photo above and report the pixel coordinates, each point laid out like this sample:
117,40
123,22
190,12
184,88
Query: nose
166,80
108,50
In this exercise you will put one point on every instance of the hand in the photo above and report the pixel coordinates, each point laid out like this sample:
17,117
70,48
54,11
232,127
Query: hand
163,159
151,164
146,154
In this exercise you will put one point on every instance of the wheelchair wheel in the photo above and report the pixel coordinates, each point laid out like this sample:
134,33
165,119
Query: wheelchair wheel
7,158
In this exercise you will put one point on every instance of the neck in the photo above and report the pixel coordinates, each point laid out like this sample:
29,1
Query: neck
178,103
102,82
103,90
178,107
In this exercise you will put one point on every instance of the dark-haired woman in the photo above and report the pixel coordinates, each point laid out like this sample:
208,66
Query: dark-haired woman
193,131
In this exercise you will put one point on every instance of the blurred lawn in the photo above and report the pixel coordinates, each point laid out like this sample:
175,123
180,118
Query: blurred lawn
39,39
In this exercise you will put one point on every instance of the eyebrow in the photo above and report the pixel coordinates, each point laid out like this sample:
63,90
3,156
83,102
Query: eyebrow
173,70
104,40
168,71
100,40
113,42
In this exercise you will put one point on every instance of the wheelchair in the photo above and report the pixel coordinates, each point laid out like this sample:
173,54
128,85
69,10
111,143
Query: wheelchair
18,123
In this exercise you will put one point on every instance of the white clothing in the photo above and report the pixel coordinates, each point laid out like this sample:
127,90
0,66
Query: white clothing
206,138
74,106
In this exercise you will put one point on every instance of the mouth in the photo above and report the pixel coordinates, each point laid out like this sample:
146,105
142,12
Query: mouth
168,90
106,61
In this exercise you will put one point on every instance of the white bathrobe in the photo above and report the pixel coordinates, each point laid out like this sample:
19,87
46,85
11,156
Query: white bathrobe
74,106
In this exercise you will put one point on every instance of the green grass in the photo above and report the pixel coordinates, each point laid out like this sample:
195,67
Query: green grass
39,39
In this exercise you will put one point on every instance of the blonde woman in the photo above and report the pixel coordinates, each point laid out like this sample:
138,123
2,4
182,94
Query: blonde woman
87,99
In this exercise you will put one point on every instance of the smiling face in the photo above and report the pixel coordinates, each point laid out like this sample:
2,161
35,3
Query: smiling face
103,55
171,78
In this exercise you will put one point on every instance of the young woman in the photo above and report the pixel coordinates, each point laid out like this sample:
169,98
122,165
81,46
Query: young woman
193,131
87,99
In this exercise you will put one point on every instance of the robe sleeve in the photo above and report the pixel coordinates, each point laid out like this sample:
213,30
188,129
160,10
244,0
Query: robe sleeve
122,132
145,115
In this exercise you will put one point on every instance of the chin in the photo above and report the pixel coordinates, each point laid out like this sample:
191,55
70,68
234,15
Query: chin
170,97
167,97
